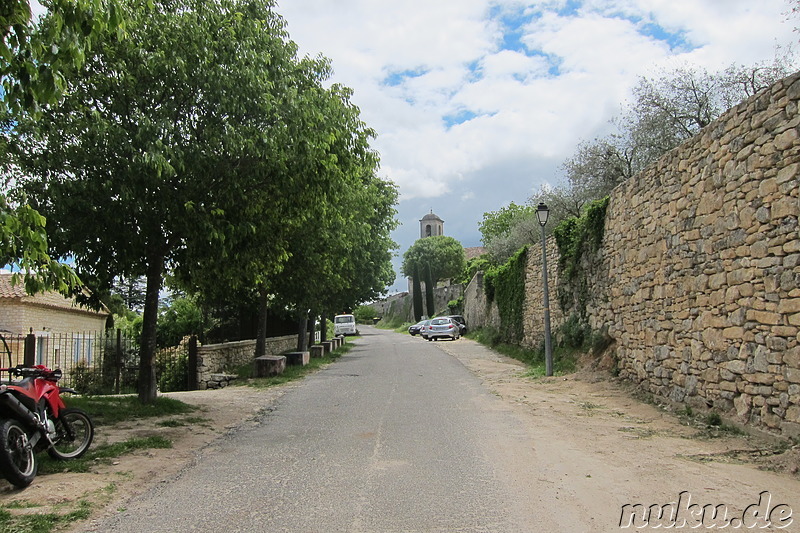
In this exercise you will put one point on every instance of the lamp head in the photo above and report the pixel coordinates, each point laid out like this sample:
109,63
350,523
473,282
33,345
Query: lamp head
542,213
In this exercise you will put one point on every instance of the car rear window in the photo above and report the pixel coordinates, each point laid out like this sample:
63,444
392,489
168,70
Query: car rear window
440,321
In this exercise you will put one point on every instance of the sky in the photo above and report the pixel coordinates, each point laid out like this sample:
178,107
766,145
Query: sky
478,103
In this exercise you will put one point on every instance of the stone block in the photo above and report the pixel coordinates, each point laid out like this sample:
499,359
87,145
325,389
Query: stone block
298,358
269,365
317,350
327,346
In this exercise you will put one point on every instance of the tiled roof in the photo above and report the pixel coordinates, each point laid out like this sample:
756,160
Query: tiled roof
47,298
7,290
475,251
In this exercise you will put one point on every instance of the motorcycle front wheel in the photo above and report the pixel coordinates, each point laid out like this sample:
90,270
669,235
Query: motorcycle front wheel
74,434
17,460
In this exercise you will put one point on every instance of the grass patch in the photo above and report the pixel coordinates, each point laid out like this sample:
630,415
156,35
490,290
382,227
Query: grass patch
292,373
109,410
564,358
102,453
41,523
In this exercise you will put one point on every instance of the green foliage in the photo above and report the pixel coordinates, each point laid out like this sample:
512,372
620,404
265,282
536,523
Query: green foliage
573,235
430,305
506,286
23,247
499,223
456,307
181,318
577,237
444,254
364,314
416,292
473,266
173,372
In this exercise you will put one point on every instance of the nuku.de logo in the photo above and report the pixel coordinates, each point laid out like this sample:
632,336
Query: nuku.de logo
683,513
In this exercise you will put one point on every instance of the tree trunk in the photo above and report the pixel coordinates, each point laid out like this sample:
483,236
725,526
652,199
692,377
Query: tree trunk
261,331
302,334
147,353
323,327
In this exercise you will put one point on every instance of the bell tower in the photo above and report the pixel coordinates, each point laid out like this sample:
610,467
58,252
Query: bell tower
430,225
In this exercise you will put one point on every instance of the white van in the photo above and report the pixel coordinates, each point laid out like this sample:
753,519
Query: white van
344,325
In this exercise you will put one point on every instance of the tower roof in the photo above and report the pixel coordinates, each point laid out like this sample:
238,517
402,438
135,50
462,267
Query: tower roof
431,216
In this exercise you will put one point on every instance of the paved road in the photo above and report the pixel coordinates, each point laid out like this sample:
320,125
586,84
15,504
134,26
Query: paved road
397,435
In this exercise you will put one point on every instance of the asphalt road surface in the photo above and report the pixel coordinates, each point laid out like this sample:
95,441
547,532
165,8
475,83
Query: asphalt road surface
397,435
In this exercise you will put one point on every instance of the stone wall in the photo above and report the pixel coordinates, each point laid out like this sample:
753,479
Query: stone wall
698,277
225,357
478,311
533,307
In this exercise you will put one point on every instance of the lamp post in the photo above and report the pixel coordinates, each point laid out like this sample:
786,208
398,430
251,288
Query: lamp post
542,213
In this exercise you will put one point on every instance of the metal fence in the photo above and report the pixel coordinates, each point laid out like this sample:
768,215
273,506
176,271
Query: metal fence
96,363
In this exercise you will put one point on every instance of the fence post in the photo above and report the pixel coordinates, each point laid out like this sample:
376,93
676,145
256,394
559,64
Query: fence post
192,383
29,357
118,362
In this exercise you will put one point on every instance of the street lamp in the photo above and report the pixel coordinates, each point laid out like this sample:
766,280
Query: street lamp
542,213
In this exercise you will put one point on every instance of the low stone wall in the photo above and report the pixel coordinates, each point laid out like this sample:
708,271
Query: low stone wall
216,359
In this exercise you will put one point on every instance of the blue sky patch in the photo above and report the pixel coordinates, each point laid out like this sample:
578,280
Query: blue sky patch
398,77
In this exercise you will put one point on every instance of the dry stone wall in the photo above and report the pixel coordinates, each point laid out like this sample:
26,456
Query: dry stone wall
213,359
699,272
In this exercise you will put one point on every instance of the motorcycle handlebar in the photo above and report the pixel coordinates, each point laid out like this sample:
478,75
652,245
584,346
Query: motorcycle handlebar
34,372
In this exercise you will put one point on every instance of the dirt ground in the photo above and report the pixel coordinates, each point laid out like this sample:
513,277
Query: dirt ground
590,414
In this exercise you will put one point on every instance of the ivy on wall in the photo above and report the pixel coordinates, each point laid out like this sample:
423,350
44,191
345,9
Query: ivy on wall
505,285
576,237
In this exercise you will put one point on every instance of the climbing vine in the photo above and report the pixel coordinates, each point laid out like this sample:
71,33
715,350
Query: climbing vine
576,237
505,285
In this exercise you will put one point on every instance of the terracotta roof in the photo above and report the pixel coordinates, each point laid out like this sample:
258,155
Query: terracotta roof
475,251
7,290
47,298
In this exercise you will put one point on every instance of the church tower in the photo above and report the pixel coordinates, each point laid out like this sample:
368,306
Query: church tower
430,225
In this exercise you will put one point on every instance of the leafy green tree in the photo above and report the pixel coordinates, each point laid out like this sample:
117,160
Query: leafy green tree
167,142
31,64
182,317
444,254
499,223
23,247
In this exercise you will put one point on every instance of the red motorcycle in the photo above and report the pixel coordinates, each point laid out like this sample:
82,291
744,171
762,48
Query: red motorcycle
33,417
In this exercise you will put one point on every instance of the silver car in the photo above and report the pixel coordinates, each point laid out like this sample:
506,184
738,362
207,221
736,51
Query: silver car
442,327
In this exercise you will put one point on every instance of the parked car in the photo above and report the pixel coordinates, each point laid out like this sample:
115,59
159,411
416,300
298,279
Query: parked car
462,324
423,330
344,325
415,329
442,327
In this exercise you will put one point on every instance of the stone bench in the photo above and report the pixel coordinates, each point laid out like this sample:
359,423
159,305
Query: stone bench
317,350
269,365
219,381
298,358
327,346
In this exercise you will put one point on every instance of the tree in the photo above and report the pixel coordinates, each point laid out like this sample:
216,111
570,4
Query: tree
167,142
444,254
498,223
30,70
416,292
430,304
